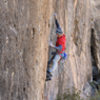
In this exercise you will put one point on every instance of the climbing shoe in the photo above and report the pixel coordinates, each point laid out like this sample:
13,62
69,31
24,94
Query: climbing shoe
49,74
48,79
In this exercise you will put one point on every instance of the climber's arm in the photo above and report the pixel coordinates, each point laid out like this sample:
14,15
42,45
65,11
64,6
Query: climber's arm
58,47
56,21
57,24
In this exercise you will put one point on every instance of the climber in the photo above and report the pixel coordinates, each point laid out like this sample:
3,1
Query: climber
60,48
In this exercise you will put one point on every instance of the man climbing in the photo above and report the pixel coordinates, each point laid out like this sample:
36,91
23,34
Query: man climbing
60,48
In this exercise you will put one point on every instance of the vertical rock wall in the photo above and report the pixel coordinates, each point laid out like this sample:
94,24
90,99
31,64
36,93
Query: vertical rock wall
96,30
74,17
95,40
23,48
25,28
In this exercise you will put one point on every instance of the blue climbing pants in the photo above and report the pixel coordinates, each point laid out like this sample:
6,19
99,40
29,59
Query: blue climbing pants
55,63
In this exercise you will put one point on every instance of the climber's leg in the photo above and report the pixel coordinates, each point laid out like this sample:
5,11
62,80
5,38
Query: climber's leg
53,68
55,64
50,61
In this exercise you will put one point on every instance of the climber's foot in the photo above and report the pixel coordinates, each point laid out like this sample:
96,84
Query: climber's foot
48,79
49,74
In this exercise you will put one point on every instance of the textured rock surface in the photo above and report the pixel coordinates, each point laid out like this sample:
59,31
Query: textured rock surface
23,49
96,31
95,41
74,17
25,28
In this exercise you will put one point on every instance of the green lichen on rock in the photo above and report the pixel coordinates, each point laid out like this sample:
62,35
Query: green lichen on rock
69,96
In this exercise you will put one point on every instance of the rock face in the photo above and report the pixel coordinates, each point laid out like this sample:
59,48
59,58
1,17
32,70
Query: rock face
96,31
74,17
95,40
23,49
25,28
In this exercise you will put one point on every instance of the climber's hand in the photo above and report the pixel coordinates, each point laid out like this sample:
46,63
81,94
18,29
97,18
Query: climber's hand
51,44
55,15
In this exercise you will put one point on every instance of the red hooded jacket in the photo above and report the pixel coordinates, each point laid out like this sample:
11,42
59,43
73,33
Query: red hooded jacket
61,41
